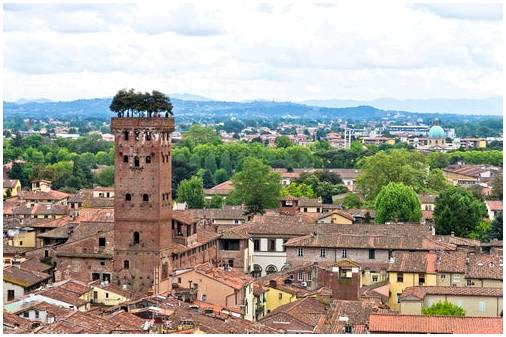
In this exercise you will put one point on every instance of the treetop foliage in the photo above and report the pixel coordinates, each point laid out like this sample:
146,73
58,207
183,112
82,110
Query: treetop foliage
131,103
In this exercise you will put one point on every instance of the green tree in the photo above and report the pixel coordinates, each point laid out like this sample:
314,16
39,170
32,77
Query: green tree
216,201
283,142
481,231
220,176
351,200
225,162
457,210
210,163
256,186
191,191
105,177
496,228
436,181
198,134
207,179
497,187
443,309
398,165
398,203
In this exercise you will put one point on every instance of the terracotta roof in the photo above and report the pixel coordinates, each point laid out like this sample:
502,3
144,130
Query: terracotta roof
10,183
390,323
392,241
35,265
73,286
225,188
14,324
485,267
184,217
304,202
24,278
413,262
467,170
126,321
342,213
427,198
456,240
39,195
40,209
494,205
64,296
228,213
362,212
56,311
57,233
451,262
78,323
357,313
233,279
309,311
421,292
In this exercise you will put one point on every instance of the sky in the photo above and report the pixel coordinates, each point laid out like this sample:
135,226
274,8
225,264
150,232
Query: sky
235,50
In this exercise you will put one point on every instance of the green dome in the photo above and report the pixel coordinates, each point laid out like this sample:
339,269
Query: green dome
436,132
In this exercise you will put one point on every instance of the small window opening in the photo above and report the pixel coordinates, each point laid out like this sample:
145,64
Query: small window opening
128,197
125,159
137,238
145,197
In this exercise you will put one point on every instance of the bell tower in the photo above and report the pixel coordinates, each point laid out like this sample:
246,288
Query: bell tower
143,202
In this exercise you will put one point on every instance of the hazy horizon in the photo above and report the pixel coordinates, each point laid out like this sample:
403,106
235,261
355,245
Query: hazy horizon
285,51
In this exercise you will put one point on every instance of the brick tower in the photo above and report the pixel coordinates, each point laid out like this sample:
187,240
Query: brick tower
143,202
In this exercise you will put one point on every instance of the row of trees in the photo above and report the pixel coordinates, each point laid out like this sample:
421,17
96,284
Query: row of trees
131,103
68,163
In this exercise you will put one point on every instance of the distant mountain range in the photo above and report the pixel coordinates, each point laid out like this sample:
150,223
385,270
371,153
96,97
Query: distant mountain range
486,106
198,109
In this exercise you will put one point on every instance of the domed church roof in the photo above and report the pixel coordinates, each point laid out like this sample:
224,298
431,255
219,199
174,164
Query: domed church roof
436,132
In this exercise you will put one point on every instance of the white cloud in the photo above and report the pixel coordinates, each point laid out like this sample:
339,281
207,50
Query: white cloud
229,50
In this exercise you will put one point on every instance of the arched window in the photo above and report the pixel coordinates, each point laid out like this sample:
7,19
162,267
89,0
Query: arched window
145,197
257,271
137,238
125,159
271,269
125,134
136,161
126,264
137,134
148,136
285,267
148,159
128,197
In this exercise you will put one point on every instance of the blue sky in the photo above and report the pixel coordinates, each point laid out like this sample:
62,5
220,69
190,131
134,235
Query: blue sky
283,50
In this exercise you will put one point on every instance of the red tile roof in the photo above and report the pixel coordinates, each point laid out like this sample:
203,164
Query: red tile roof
421,292
234,279
23,277
494,205
388,323
413,262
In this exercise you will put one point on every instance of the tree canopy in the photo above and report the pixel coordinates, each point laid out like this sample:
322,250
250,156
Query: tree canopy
457,210
191,191
129,102
397,202
443,309
257,186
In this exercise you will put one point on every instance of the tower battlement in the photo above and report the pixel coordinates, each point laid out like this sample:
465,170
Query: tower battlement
162,123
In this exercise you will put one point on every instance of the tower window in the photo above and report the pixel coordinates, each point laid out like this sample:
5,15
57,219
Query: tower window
101,242
125,159
145,197
148,159
137,133
125,134
148,136
128,197
126,264
137,238
136,161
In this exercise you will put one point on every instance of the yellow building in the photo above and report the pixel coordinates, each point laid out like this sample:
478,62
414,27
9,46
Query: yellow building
410,269
276,297
24,237
109,294
336,217
11,187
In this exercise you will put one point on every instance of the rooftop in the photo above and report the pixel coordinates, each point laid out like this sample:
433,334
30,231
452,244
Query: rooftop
413,262
391,323
23,277
421,292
